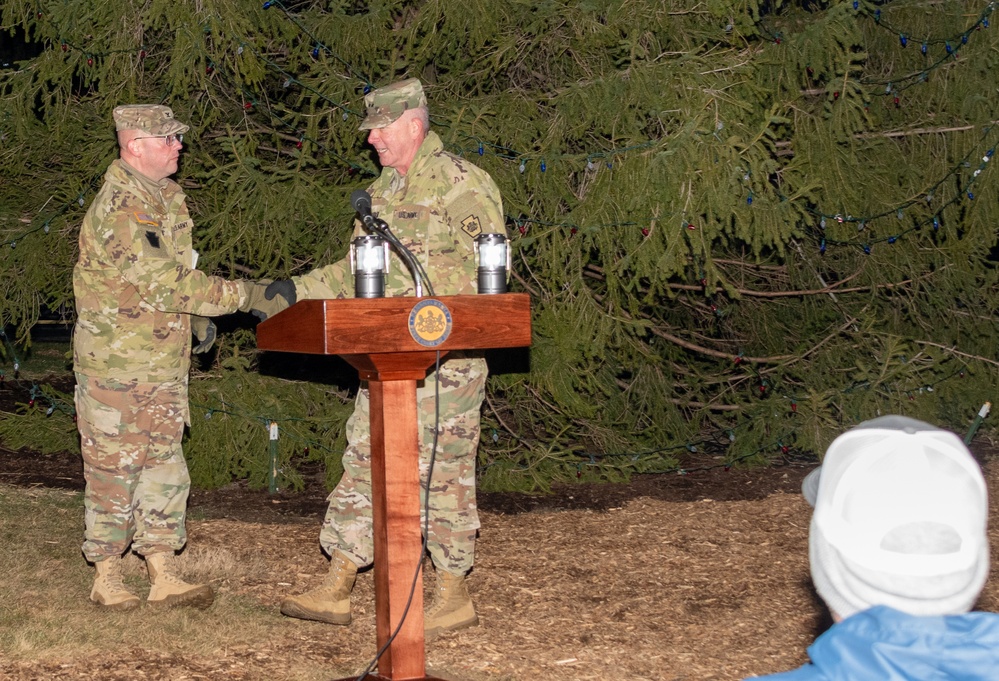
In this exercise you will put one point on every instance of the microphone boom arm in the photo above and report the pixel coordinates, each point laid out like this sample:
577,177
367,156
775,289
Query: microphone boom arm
360,201
415,268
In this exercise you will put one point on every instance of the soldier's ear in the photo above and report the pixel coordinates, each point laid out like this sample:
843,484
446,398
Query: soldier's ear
416,127
131,146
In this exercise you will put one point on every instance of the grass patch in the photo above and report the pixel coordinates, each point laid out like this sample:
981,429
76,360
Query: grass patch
41,359
45,592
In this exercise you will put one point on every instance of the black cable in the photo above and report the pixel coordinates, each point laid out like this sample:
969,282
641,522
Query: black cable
419,274
406,255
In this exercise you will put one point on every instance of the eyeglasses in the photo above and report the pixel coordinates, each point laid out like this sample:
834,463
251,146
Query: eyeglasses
169,139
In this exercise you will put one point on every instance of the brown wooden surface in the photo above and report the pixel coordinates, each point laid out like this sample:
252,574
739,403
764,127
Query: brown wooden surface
355,326
373,336
395,485
393,366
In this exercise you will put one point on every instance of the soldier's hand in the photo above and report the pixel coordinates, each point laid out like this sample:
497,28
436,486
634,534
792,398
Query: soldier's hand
282,287
204,330
263,305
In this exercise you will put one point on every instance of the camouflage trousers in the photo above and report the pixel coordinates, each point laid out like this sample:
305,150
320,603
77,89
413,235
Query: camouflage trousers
454,518
137,479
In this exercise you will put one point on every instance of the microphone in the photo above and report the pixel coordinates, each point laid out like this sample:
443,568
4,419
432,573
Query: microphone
360,201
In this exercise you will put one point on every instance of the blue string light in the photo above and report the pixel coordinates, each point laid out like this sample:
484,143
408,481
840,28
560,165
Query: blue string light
481,147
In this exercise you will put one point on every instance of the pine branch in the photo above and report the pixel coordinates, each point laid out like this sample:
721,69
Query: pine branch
952,350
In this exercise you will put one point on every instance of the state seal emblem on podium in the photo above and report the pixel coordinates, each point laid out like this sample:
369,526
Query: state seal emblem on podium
430,322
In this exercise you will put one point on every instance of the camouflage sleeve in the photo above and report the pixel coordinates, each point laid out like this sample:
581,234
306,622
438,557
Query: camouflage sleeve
472,207
476,208
141,248
333,281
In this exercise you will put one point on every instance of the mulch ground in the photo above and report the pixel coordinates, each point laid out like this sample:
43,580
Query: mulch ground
669,577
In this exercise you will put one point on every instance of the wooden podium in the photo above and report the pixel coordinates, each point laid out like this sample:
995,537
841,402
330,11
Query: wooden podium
392,342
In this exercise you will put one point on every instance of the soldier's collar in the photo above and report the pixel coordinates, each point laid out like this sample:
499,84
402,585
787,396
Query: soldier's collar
148,184
431,145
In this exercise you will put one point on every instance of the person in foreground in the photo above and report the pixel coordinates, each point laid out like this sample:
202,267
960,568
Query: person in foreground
436,204
137,296
899,552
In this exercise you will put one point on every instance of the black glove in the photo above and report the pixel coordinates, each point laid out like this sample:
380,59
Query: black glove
266,298
284,288
205,331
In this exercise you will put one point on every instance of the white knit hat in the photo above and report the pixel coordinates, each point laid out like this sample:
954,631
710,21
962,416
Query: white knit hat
900,520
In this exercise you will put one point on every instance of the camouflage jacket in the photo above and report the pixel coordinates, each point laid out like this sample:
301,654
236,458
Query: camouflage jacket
436,209
136,285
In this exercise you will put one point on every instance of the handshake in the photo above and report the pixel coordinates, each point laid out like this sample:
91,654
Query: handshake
266,298
262,299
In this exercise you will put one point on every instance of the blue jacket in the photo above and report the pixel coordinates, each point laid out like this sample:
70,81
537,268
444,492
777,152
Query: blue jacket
882,644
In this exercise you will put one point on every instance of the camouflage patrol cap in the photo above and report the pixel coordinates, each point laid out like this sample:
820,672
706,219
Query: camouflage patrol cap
153,119
386,104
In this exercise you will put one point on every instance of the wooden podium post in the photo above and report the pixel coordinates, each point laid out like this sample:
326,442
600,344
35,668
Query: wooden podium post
392,342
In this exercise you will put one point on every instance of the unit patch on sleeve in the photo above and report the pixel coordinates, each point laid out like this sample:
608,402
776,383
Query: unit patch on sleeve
472,226
153,238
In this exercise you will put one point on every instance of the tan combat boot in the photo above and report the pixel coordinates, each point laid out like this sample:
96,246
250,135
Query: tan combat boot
452,607
169,589
330,601
109,589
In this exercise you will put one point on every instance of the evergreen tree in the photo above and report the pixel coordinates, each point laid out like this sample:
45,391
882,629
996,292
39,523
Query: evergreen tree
744,226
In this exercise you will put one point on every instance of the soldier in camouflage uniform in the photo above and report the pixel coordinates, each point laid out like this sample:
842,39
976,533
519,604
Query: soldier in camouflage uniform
436,204
137,293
